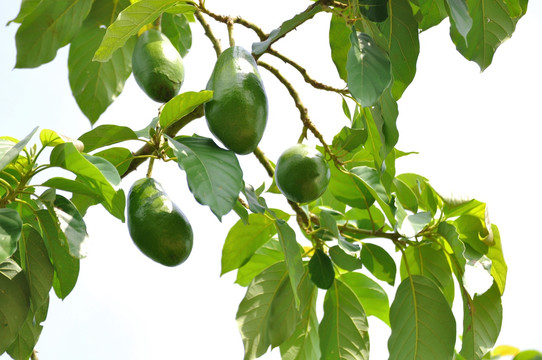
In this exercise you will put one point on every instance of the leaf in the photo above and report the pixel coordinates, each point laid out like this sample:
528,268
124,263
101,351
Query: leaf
14,302
370,294
344,328
243,240
425,261
348,140
73,186
36,265
67,157
339,42
343,259
401,30
432,12
384,115
529,355
182,105
105,135
27,6
405,195
51,25
108,170
422,323
130,20
268,254
491,26
177,29
214,175
349,189
11,226
259,48
95,85
379,262
254,200
371,179
460,18
118,157
374,10
52,138
482,320
415,223
499,269
11,152
368,67
66,266
28,335
329,224
72,225
321,270
292,255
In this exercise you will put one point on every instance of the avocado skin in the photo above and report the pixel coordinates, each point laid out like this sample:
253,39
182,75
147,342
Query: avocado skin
302,174
156,225
157,66
237,115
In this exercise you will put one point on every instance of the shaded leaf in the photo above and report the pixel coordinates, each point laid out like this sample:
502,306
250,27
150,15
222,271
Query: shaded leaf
378,262
292,255
72,225
339,42
460,18
10,151
28,334
321,270
268,254
431,12
343,259
118,157
349,189
371,179
177,29
104,135
11,226
73,186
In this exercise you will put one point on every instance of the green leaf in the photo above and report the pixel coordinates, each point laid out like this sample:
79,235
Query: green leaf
95,85
72,225
415,223
52,138
384,114
10,151
401,30
28,335
344,329
321,270
292,255
11,226
432,12
368,67
339,42
371,179
328,222
491,26
66,266
118,157
67,157
14,302
27,6
422,323
460,18
108,170
130,20
482,320
379,262
349,189
36,264
348,140
73,186
343,259
499,269
259,48
433,264
268,254
370,294
374,10
255,202
267,315
214,175
51,25
529,355
405,195
182,105
177,29
105,135
243,240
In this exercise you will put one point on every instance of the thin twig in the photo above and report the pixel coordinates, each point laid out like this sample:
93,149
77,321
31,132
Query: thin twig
264,161
230,32
237,20
209,33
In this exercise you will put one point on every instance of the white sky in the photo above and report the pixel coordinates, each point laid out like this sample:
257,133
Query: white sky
477,135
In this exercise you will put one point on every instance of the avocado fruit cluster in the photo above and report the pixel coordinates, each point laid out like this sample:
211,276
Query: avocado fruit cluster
157,66
237,114
156,225
302,173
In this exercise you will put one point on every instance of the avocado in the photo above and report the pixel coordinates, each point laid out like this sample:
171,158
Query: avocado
237,114
157,66
156,225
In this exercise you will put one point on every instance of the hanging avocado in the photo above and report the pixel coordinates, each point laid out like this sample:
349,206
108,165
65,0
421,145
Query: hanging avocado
237,115
157,66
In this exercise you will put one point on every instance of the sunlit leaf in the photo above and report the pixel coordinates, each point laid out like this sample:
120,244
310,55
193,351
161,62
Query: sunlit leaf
339,42
182,105
379,262
10,151
72,225
268,254
370,294
104,135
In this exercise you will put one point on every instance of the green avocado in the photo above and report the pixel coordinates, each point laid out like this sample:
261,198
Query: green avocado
237,115
302,174
156,225
157,66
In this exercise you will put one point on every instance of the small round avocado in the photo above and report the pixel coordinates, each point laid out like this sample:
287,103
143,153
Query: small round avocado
156,225
157,66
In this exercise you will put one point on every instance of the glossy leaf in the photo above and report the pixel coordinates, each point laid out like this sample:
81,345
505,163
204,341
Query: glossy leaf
368,67
420,312
108,170
343,259
177,29
52,138
370,178
292,255
460,18
72,225
105,135
321,270
214,175
14,302
268,254
349,189
339,42
50,26
11,151
499,269
491,26
344,328
118,157
482,320
11,226
379,262
182,105
130,20
243,240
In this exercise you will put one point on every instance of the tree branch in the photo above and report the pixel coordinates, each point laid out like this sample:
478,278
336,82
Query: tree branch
209,33
237,20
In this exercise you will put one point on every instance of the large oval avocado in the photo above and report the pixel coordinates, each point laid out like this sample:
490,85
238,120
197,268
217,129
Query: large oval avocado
157,66
156,225
237,115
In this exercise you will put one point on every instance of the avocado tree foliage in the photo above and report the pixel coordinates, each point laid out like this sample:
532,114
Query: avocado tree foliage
374,46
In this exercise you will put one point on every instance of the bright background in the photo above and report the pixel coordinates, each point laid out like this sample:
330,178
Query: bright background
477,135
